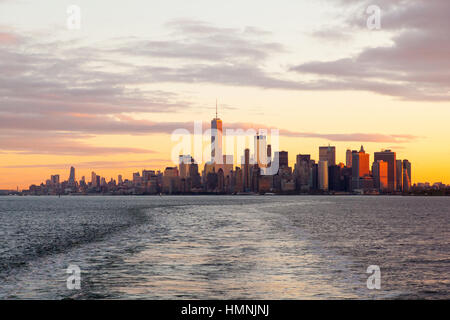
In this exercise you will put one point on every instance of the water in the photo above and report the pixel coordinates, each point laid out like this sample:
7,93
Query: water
224,247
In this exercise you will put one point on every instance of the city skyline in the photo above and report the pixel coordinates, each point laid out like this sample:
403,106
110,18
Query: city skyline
325,154
257,170
107,98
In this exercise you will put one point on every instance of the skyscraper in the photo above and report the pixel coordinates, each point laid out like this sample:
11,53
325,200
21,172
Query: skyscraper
94,179
55,180
246,169
184,163
303,172
399,174
380,175
283,159
72,176
360,167
328,154
348,158
216,139
261,150
323,175
390,158
406,175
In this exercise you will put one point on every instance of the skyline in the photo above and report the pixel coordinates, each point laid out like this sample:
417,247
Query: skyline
107,98
256,168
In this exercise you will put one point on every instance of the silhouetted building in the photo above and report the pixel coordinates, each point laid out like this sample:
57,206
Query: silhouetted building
323,175
216,139
72,178
360,167
399,174
328,154
390,158
283,160
406,176
303,172
348,158
380,175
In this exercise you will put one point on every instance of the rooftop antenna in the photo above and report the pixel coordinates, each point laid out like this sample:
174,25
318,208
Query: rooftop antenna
216,109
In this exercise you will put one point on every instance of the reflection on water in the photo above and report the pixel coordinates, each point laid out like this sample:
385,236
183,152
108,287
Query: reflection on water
224,247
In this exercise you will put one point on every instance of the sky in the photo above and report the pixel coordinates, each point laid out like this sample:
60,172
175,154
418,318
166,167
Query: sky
108,96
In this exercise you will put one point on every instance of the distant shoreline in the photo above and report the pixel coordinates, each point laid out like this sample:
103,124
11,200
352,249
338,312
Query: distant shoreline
223,194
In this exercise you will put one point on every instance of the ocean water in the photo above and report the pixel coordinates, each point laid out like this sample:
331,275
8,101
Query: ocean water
225,247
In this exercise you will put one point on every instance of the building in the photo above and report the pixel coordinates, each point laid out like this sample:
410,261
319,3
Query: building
406,176
246,172
54,180
334,178
323,175
184,161
360,167
328,154
283,160
348,158
399,175
94,180
390,158
216,139
72,179
261,151
137,179
171,180
302,172
380,175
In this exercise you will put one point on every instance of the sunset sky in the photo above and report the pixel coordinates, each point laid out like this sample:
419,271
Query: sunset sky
107,97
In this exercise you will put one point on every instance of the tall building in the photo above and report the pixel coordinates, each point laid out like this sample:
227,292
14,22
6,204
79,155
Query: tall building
328,154
303,172
323,175
406,175
54,180
269,154
360,167
147,175
390,158
94,180
137,180
171,181
216,139
247,169
283,160
348,158
334,178
120,179
72,176
261,151
399,174
380,175
184,163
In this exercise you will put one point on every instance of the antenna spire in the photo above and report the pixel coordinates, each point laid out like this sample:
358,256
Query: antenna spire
216,109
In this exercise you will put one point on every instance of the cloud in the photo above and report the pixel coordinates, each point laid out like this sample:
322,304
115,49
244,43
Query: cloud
57,144
127,125
8,38
95,164
414,67
198,40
